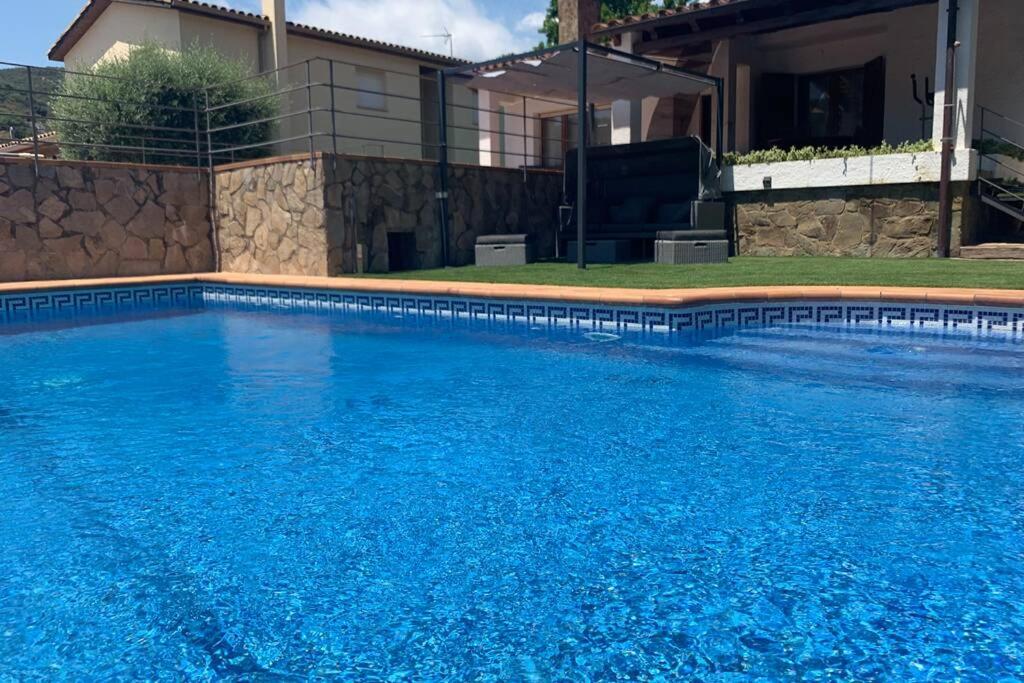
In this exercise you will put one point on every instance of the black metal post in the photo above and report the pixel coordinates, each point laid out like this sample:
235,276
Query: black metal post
720,123
195,124
309,107
442,165
32,121
581,157
948,113
212,185
334,116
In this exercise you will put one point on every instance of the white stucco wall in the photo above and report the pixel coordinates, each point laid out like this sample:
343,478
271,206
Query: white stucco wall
1000,70
124,26
236,40
887,169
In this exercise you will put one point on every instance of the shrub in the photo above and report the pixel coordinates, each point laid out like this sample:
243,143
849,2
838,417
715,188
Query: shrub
119,101
768,156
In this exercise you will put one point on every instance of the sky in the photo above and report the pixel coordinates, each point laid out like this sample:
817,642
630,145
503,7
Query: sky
480,28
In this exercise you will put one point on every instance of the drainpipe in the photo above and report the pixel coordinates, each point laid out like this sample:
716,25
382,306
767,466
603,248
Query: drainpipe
277,39
948,114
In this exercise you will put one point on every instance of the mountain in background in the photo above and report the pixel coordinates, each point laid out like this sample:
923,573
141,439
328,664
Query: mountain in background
14,101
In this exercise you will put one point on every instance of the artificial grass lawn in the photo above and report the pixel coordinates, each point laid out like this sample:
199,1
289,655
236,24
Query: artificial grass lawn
747,270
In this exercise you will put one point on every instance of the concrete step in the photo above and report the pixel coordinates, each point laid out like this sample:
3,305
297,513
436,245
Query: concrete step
994,250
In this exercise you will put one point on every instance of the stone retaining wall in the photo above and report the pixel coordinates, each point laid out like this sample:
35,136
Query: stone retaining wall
270,217
332,215
878,221
80,220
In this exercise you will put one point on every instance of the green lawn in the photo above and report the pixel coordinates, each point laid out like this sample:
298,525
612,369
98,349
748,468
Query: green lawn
748,270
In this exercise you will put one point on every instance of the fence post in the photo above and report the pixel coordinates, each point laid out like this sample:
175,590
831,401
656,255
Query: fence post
195,125
334,120
32,121
309,106
442,165
212,191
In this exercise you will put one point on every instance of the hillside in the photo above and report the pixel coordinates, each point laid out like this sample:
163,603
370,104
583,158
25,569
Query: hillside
15,105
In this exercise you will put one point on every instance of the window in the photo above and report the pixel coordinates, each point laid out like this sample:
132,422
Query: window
371,84
831,105
831,108
552,148
559,134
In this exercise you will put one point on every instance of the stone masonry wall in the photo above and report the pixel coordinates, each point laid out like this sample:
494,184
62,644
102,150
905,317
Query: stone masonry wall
878,221
332,215
368,198
270,217
81,220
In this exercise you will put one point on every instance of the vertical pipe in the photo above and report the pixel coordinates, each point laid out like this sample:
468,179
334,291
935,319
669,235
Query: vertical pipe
32,121
442,158
309,106
948,112
581,156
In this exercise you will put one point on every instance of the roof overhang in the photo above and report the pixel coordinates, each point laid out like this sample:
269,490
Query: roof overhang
552,74
666,30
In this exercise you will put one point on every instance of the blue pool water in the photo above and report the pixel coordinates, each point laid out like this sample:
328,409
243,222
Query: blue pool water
227,495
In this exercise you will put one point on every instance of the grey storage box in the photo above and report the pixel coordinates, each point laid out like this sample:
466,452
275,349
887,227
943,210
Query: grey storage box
601,251
678,247
503,250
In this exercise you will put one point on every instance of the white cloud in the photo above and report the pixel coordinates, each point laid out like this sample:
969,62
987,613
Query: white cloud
531,22
407,22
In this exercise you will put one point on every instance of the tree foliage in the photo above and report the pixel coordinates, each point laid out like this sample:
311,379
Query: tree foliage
14,99
146,106
610,9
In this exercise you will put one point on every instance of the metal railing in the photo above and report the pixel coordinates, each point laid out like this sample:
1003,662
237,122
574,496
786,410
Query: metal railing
317,105
323,106
1001,183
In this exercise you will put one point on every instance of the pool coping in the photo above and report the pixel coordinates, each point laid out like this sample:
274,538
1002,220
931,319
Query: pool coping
662,298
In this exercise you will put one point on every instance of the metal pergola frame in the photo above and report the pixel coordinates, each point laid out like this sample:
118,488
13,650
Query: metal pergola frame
583,48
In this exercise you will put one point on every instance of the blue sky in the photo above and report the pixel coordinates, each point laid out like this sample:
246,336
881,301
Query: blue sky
481,28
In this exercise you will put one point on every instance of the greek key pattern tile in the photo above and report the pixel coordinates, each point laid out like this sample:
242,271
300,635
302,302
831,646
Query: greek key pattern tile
616,319
494,313
45,306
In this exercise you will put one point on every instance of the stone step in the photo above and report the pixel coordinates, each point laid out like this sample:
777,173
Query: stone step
994,250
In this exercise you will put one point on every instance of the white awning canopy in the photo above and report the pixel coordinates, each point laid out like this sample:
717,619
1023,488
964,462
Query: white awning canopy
554,75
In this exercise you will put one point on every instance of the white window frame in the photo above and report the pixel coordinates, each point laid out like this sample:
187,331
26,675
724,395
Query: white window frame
368,78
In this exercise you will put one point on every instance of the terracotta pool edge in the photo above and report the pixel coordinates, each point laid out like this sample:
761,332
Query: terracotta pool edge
662,298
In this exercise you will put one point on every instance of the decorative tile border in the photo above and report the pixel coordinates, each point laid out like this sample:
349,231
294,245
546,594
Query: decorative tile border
73,304
616,319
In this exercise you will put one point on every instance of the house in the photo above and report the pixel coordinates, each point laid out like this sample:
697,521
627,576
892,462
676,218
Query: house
836,74
388,91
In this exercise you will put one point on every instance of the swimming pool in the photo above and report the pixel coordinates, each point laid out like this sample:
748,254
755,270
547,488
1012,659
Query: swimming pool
231,493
